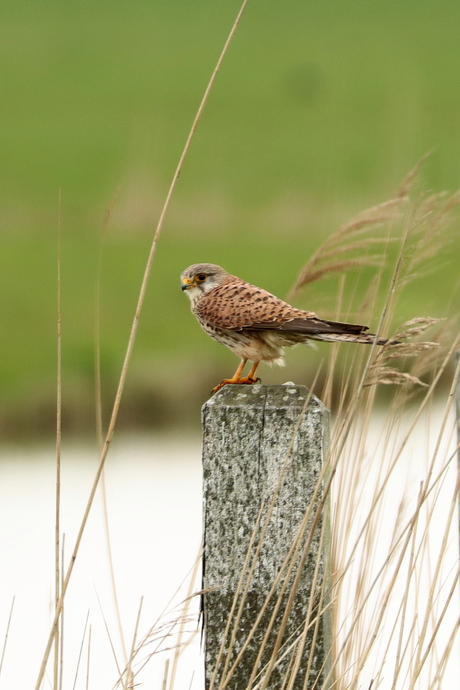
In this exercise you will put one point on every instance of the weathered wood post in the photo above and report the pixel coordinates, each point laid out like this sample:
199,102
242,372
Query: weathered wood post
263,449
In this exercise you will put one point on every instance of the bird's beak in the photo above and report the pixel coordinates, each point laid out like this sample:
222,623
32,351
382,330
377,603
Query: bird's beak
186,284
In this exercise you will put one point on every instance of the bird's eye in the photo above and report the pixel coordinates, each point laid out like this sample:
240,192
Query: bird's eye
201,277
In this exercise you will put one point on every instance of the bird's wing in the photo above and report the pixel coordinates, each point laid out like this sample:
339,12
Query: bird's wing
235,305
238,305
312,326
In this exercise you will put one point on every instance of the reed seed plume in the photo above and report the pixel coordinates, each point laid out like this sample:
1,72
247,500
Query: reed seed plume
400,347
343,251
408,182
426,219
429,226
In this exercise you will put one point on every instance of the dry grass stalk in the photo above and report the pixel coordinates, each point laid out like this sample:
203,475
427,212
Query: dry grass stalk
176,622
130,346
184,617
7,632
128,681
109,636
363,591
99,422
160,639
88,658
165,677
57,526
410,329
80,652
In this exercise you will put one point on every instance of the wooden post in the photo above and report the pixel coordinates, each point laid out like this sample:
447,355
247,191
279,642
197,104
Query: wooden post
263,447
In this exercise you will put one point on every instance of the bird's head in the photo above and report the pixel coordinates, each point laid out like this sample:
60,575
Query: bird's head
199,279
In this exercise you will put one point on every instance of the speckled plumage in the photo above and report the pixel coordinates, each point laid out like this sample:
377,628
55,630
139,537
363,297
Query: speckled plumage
252,322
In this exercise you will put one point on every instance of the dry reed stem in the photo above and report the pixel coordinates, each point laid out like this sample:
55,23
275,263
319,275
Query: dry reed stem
326,395
130,346
57,527
390,588
165,675
323,488
445,656
99,424
293,591
405,600
159,635
297,544
421,660
109,636
242,586
160,632
308,619
289,646
364,598
405,439
441,432
183,618
129,685
430,644
61,655
80,652
390,554
5,642
413,329
88,658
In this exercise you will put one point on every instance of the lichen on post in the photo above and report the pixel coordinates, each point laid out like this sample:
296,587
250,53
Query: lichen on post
263,451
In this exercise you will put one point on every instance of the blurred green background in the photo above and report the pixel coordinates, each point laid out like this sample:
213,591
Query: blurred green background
319,111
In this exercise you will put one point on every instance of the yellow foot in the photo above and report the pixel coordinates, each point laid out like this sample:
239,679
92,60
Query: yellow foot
246,379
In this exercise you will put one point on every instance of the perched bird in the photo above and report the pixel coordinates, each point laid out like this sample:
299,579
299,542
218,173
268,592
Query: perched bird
253,323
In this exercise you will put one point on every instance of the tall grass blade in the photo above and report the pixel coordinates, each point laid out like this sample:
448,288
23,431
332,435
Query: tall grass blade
5,642
80,653
130,346
57,526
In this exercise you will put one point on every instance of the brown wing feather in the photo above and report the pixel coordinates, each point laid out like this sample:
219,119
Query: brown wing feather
313,326
238,305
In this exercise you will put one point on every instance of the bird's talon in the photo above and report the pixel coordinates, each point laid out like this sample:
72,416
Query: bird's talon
247,380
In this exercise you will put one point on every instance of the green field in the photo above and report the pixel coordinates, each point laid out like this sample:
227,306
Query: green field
320,110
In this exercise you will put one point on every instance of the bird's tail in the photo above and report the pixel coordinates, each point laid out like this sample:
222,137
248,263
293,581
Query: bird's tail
335,331
310,327
366,338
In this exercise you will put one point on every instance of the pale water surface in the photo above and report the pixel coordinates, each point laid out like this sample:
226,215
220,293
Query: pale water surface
153,488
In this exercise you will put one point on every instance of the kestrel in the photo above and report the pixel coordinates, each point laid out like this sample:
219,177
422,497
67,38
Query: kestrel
253,323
